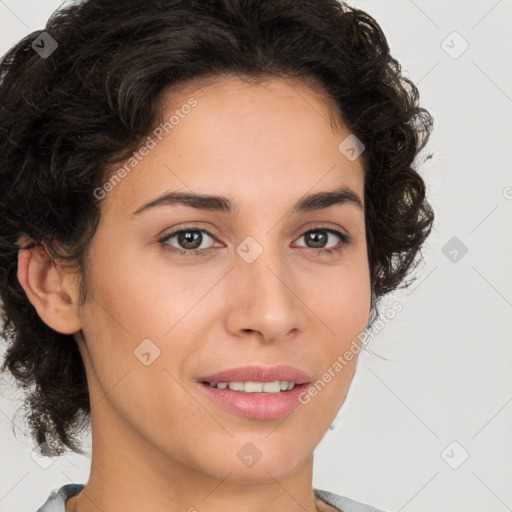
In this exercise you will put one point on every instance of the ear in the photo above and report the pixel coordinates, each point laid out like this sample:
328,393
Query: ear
52,290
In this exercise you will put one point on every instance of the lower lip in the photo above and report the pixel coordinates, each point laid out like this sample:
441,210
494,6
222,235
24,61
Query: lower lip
260,406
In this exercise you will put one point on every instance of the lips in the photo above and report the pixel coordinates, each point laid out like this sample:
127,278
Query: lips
256,405
258,374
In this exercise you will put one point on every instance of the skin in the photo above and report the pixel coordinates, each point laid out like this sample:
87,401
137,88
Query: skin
158,442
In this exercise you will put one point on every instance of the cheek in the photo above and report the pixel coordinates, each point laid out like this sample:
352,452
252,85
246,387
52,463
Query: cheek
124,321
342,303
138,312
355,293
342,298
131,296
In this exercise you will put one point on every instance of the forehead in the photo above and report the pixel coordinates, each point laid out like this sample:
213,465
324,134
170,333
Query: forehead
268,141
229,90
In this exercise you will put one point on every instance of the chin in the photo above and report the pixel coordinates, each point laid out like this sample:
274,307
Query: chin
254,462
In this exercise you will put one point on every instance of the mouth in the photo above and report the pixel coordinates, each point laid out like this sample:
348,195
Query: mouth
276,386
256,392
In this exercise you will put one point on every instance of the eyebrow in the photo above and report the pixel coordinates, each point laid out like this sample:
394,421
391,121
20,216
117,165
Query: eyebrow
316,201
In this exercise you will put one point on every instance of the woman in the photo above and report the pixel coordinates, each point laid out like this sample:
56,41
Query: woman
204,201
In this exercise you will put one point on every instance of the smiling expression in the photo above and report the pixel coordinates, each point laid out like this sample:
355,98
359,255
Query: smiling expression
271,271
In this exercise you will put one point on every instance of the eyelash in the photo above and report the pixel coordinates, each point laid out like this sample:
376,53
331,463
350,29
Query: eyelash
345,240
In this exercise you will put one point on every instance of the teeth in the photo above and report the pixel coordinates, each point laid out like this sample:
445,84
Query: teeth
236,386
256,387
251,387
270,387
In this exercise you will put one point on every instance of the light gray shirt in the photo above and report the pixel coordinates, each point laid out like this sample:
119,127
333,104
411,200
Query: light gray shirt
56,502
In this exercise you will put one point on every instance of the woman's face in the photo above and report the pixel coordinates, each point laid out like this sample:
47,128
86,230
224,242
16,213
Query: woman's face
260,291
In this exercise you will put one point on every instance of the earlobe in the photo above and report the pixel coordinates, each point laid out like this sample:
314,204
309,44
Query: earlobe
49,288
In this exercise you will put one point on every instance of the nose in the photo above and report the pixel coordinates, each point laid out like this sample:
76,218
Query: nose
264,298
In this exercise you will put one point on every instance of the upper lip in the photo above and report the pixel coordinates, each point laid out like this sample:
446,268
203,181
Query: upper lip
258,374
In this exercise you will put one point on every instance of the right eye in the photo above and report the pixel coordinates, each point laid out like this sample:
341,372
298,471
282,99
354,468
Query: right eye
190,241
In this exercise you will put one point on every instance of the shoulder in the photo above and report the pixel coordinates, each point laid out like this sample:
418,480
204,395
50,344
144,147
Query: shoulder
56,502
344,504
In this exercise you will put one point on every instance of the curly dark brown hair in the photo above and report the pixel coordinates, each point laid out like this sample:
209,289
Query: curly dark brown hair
65,119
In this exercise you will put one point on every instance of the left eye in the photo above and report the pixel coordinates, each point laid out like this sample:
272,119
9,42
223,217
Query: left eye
190,241
319,237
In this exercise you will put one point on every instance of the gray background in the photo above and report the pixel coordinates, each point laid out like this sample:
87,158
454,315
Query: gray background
436,386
